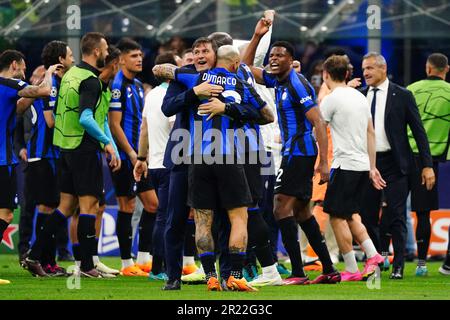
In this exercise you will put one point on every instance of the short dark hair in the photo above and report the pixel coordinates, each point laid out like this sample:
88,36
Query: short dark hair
9,56
438,60
337,67
284,44
52,51
113,53
221,38
185,52
166,57
334,51
204,41
90,41
126,45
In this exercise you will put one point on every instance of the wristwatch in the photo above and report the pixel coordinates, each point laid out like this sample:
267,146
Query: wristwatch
142,158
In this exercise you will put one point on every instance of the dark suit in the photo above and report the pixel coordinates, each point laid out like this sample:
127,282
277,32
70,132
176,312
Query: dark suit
401,111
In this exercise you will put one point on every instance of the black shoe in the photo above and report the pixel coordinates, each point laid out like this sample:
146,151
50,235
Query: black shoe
35,268
172,285
397,273
409,257
22,258
66,257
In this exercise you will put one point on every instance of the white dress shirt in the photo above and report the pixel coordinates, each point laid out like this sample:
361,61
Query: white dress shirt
382,143
158,124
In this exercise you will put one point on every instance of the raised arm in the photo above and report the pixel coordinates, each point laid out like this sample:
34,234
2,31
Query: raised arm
165,71
262,27
44,89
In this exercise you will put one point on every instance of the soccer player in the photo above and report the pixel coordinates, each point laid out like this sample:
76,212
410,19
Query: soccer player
347,112
40,176
81,132
297,116
125,115
432,96
187,57
219,185
12,89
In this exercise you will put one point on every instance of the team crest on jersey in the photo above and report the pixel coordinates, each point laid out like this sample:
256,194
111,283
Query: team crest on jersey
284,96
116,94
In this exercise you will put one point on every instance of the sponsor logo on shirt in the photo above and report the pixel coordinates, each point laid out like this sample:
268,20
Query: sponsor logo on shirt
305,99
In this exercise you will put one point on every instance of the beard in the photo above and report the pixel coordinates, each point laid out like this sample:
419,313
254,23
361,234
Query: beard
100,62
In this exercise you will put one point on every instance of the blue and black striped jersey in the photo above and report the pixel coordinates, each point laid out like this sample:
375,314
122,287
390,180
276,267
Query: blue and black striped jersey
9,89
235,90
294,97
51,102
253,134
128,98
40,144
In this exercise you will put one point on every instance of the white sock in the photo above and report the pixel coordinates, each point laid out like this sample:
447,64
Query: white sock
350,262
187,261
78,263
143,257
270,270
369,248
127,263
96,260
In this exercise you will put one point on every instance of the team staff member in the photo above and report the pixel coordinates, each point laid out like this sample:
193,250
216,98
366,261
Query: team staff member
155,131
233,197
125,115
297,115
432,96
12,88
178,101
81,132
393,108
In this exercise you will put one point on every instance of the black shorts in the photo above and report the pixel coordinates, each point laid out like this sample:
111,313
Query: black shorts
294,178
218,186
255,181
345,192
8,187
41,183
421,198
124,183
81,174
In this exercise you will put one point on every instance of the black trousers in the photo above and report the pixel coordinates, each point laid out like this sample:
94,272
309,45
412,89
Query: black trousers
392,223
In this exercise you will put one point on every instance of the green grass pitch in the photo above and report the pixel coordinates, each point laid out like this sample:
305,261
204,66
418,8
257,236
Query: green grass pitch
25,287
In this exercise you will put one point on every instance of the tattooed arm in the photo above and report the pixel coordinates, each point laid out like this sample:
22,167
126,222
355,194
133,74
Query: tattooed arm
164,71
44,89
203,236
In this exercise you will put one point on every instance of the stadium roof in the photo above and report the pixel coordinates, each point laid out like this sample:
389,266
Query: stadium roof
300,19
